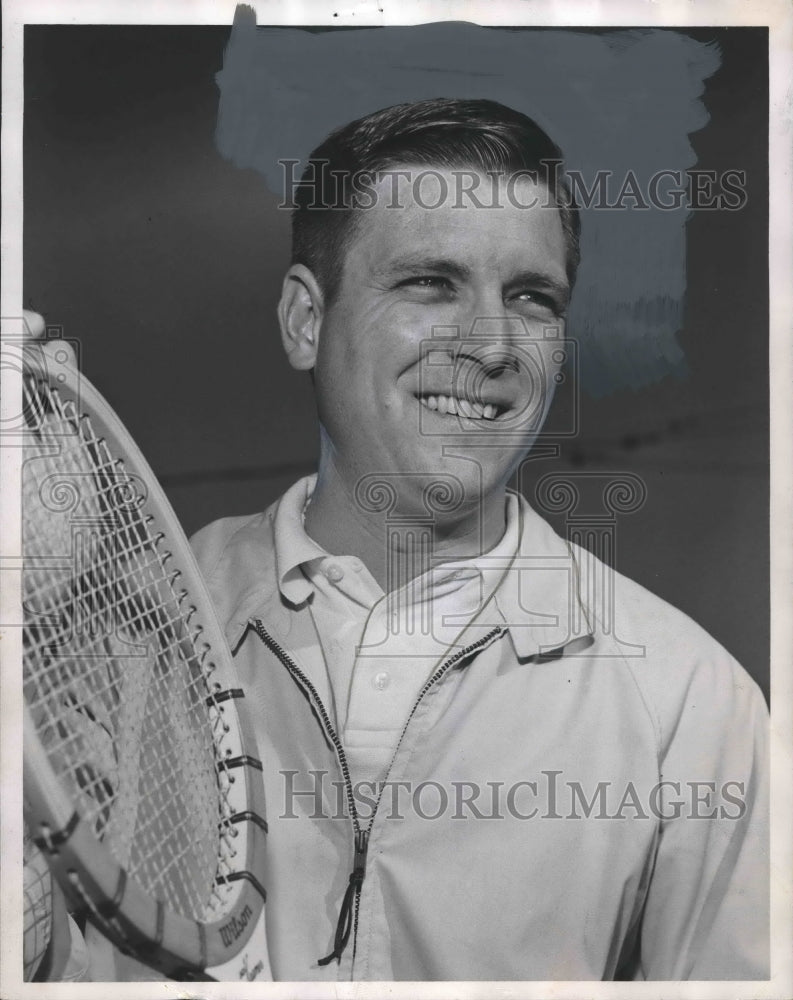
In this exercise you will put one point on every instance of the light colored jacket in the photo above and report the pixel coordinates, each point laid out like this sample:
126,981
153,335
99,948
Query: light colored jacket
579,791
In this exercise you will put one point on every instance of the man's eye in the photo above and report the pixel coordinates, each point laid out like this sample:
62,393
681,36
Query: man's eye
431,281
542,300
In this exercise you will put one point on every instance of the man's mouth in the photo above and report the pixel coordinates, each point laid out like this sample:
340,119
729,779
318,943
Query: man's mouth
455,406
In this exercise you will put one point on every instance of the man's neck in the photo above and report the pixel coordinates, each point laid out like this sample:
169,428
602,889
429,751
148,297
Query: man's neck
405,540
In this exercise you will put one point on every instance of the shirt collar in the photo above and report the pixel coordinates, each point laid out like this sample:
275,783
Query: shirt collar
490,566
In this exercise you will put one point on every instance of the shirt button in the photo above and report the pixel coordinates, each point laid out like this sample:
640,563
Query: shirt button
356,564
334,572
381,680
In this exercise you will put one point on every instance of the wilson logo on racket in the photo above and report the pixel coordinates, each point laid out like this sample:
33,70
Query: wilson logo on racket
231,931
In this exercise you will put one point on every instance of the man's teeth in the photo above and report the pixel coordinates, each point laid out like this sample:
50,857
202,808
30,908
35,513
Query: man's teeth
459,407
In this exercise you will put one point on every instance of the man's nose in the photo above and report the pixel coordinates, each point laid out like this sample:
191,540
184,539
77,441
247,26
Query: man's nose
495,342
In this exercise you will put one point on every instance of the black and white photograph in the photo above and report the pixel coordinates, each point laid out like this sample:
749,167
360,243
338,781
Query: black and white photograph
395,514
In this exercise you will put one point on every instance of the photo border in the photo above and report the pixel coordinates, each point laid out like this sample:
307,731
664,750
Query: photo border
778,16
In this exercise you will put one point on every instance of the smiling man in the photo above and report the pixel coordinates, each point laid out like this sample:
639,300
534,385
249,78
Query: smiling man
468,776
406,272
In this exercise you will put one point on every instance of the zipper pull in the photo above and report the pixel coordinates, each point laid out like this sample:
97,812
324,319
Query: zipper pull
359,860
344,925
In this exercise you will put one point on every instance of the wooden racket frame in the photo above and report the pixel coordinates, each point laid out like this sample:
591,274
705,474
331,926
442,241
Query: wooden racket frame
92,880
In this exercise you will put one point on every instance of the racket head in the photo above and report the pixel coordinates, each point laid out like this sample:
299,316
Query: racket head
142,778
38,900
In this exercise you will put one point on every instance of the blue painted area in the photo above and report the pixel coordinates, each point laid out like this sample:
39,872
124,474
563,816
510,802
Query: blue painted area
624,102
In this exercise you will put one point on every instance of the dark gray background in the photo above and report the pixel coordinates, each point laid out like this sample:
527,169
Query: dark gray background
165,262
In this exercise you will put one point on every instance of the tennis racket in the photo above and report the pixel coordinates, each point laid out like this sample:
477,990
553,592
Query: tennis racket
142,782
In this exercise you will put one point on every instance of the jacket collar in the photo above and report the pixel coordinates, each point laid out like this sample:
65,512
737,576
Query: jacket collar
240,582
538,597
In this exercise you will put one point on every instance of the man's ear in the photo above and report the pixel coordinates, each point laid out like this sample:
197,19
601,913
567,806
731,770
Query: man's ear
300,314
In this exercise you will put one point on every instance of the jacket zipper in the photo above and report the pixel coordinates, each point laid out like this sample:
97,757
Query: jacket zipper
439,673
348,913
353,890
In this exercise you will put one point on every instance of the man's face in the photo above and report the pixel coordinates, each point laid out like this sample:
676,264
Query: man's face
439,336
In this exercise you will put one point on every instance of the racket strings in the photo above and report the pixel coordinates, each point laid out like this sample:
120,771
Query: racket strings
116,672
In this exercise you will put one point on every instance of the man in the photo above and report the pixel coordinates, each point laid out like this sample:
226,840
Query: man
469,775
418,643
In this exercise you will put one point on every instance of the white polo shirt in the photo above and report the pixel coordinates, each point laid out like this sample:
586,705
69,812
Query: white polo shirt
379,649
